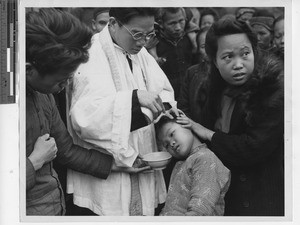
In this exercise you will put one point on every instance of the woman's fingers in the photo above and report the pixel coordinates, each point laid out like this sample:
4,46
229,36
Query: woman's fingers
183,120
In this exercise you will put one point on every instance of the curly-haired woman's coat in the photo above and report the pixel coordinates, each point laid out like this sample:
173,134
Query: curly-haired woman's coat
253,149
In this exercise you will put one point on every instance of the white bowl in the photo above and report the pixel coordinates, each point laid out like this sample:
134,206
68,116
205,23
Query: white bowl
157,160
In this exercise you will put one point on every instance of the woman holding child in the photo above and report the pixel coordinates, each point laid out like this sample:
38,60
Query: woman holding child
243,119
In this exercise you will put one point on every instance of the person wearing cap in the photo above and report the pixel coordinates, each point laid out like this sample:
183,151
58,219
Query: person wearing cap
100,19
263,27
243,14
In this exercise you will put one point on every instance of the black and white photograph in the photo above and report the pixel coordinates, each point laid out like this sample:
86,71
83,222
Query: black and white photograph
153,111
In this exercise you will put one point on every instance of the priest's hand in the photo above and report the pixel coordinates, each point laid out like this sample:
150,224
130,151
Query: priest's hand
152,101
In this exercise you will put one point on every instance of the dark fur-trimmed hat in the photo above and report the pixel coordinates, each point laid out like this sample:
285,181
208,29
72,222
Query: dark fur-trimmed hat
265,21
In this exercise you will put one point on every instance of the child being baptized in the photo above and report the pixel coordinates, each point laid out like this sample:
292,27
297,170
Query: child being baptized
199,180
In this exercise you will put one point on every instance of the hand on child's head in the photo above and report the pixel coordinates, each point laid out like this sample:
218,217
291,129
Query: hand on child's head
173,113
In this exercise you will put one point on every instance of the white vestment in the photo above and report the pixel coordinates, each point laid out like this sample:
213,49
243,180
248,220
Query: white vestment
100,116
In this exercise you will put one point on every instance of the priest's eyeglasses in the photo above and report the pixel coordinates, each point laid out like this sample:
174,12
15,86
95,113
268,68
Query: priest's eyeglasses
139,35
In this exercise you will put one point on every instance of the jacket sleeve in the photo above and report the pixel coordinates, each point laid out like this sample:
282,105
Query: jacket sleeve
94,162
30,175
254,145
210,181
138,118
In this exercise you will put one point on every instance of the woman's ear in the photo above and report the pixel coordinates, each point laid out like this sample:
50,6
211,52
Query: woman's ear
216,64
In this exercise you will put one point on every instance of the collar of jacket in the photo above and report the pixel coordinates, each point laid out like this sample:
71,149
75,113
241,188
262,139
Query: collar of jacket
173,42
29,90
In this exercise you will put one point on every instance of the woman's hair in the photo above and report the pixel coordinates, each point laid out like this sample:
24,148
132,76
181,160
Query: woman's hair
215,83
98,11
55,40
227,26
124,15
201,31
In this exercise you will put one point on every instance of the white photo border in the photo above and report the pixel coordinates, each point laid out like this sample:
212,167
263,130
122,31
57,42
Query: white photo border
289,167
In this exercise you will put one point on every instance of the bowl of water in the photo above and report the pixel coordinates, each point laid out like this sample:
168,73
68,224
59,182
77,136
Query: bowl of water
157,160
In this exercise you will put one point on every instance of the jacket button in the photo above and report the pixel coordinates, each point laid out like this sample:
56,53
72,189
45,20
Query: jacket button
243,177
246,204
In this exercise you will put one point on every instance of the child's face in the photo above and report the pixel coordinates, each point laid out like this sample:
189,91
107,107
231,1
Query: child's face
207,21
178,141
235,58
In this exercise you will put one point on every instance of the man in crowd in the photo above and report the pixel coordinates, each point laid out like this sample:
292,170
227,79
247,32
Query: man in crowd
174,45
100,19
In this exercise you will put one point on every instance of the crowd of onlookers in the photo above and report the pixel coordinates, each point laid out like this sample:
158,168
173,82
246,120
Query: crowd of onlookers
178,48
217,74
